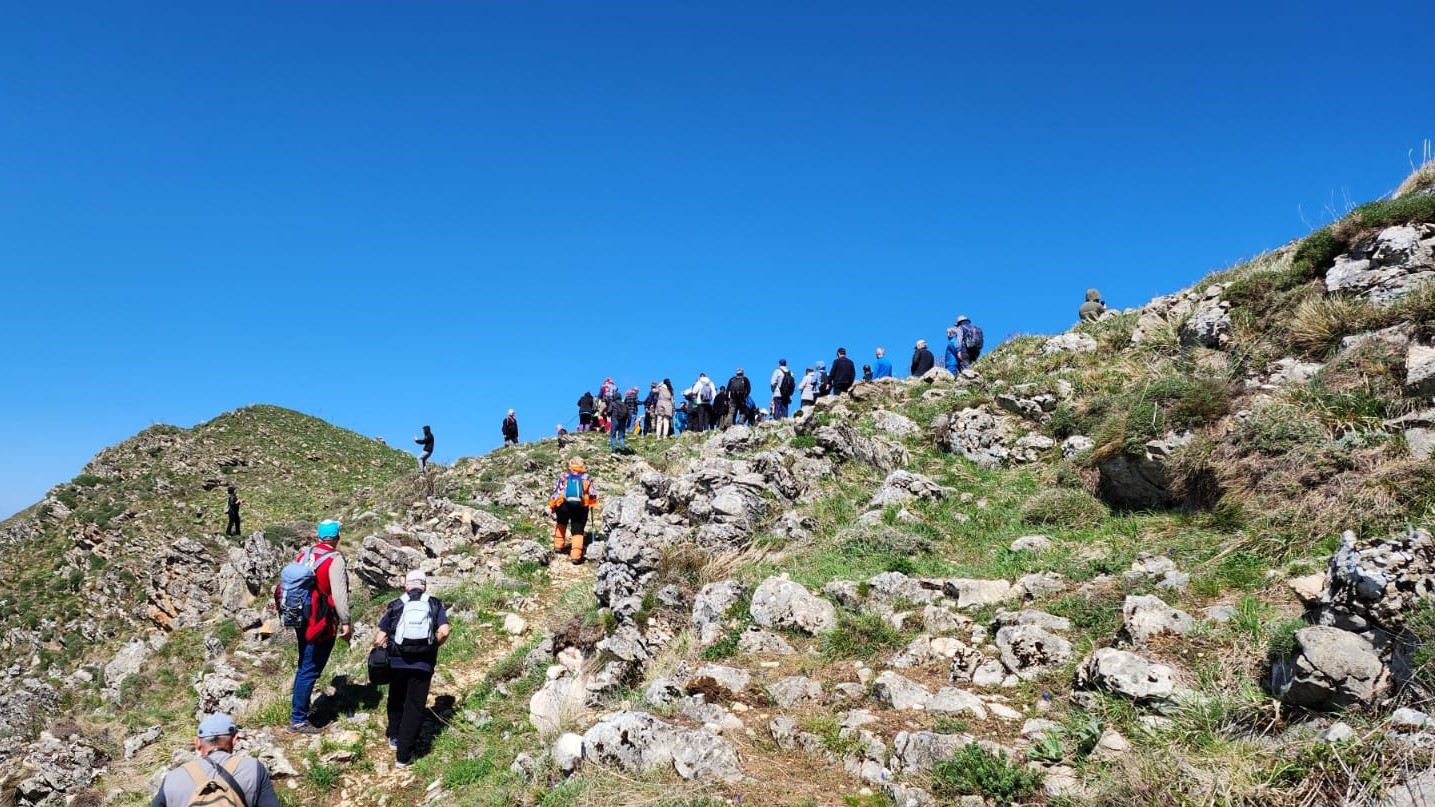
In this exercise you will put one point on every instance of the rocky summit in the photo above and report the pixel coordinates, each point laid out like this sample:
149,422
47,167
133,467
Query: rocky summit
1177,555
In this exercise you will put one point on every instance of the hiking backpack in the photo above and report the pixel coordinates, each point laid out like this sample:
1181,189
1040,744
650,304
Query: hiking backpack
415,624
821,384
298,591
739,387
573,492
787,384
218,790
972,341
706,392
617,409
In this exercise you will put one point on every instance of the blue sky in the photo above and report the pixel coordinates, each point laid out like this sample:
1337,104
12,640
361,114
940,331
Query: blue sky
389,214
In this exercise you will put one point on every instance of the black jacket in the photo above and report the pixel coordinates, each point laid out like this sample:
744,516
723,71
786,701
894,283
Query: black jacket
844,372
585,404
426,441
922,361
510,427
738,388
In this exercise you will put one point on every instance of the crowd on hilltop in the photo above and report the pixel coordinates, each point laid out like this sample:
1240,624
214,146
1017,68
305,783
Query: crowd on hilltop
664,410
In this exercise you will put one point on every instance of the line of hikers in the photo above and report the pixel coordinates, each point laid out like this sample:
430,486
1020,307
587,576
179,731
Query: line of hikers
706,405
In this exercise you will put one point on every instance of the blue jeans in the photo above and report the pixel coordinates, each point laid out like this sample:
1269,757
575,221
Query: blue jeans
618,434
313,656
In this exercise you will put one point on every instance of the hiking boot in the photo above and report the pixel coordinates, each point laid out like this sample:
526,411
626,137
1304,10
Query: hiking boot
304,727
578,561
398,763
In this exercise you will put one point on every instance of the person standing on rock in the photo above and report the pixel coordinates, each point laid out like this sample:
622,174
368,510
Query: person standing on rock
881,368
738,388
1093,308
411,629
922,359
844,372
969,342
783,385
808,388
427,442
951,359
231,509
510,429
328,619
703,392
663,416
570,502
630,398
218,769
616,410
585,412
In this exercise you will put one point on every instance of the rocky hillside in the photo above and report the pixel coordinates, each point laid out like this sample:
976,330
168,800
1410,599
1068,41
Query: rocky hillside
1174,556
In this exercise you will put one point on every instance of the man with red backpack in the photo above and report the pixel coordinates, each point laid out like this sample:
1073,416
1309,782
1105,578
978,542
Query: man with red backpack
572,497
313,598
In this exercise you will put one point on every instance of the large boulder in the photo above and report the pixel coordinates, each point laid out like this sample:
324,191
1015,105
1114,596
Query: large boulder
781,603
976,434
842,439
1209,326
710,608
899,692
1332,669
382,563
637,742
1126,675
1070,342
901,487
1029,650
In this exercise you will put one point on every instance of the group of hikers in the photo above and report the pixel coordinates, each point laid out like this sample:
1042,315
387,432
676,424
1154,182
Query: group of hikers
664,411
312,596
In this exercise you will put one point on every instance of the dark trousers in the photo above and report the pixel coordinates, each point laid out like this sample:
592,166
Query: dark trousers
705,417
233,527
408,701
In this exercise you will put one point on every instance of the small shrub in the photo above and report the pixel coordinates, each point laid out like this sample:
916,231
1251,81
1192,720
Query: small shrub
861,636
726,647
87,480
803,441
1063,507
1316,253
469,772
1281,644
974,771
322,777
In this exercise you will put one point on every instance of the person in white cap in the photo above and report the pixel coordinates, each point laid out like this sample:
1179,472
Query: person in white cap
412,628
219,775
510,429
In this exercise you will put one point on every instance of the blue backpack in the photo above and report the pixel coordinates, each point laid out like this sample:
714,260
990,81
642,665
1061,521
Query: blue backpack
297,588
573,489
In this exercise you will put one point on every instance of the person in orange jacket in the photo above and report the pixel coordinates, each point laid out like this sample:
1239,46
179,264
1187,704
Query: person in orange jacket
572,497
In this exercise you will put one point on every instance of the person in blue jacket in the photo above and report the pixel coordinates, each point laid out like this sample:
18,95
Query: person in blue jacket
953,359
881,368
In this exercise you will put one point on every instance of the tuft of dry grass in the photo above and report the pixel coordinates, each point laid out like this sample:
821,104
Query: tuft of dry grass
1318,323
1422,179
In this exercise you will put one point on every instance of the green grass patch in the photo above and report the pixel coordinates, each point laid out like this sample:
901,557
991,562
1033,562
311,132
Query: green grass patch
974,771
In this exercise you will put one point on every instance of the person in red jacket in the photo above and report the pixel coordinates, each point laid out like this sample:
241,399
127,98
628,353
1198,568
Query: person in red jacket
328,620
572,497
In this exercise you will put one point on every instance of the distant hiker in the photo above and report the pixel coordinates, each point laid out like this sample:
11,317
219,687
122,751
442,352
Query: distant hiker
631,399
866,372
616,410
585,412
704,392
969,340
1093,308
738,388
313,598
821,382
663,417
411,629
231,509
219,776
561,433
572,497
881,368
608,390
427,442
808,388
951,359
922,359
783,385
844,372
510,429
650,407
721,410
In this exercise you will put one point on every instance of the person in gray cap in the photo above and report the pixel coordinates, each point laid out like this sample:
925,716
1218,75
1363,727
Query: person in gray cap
412,628
219,776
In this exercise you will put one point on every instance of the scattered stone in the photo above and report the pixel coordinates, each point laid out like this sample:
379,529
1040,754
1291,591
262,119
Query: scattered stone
953,701
1220,614
971,593
781,603
1338,732
899,692
1127,675
1111,745
1041,584
894,424
1145,617
901,487
1381,581
514,625
1416,791
760,642
710,609
1038,728
1028,650
1032,543
1308,588
794,691
1332,669
731,679
138,742
1076,444
1209,326
1069,342
637,742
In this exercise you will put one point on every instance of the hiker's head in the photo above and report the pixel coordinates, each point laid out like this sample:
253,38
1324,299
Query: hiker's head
739,371
962,318
782,362
842,351
576,464
821,365
881,352
329,530
231,488
416,579
426,430
921,343
216,732
510,413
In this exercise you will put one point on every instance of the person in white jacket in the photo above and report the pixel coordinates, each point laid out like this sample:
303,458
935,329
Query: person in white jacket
780,402
703,391
808,388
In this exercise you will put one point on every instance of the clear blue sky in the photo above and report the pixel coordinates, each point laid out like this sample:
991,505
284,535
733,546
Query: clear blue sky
392,214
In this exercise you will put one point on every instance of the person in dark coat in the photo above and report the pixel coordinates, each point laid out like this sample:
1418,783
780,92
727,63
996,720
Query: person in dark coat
922,359
586,405
844,372
231,509
510,429
411,663
1093,308
427,442
738,390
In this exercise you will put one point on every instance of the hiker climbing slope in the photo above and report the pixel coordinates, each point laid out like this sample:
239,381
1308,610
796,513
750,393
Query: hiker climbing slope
572,498
313,598
411,629
427,442
218,776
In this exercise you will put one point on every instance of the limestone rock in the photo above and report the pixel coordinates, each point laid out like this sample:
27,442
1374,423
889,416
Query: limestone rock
1076,444
899,692
1416,791
568,752
757,641
970,593
1028,650
894,424
1145,617
1140,482
794,691
1332,669
1381,581
637,742
1388,267
781,603
1032,543
1209,326
901,487
1420,371
1127,675
1070,342
953,701
731,679
710,608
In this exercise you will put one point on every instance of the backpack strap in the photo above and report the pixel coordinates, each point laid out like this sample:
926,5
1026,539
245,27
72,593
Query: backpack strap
200,777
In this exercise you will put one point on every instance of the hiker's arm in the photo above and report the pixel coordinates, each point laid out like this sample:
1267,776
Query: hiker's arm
264,788
159,799
339,587
440,634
